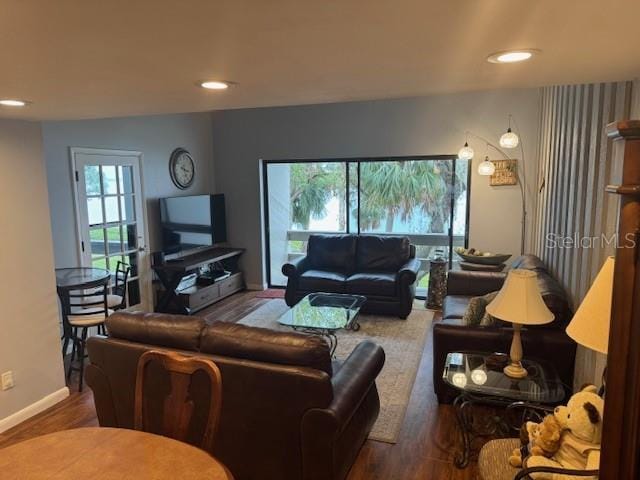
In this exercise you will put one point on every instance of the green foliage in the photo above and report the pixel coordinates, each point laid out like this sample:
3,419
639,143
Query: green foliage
395,189
389,189
312,186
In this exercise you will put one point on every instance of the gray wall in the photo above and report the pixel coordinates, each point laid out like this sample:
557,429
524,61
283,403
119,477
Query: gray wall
154,136
425,125
29,342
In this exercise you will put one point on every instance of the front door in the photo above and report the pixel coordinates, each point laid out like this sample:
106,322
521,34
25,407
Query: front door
111,218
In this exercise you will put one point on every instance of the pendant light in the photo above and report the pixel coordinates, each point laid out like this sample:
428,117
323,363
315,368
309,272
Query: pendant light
486,167
509,139
466,152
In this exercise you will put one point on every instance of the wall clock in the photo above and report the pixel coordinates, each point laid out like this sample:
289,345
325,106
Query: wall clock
182,168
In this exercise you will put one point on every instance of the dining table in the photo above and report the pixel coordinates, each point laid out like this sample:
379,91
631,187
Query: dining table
108,454
77,278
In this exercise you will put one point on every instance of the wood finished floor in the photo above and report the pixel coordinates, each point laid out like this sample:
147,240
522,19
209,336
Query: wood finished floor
425,448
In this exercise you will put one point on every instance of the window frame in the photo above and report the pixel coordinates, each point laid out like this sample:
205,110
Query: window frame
264,164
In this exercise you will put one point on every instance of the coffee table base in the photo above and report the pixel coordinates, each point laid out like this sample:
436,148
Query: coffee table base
329,335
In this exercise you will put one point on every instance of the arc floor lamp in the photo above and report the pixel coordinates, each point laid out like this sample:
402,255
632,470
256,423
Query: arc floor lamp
509,140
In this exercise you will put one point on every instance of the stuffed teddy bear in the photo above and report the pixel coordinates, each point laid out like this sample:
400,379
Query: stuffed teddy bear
541,439
579,447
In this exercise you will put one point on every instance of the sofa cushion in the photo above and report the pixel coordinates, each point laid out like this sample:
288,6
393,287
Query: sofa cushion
382,254
264,345
332,252
322,281
373,283
171,331
454,306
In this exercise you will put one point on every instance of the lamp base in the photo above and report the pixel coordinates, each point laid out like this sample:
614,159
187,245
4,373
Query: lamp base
515,370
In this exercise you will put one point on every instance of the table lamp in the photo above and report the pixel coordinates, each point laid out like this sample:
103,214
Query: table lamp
519,302
590,325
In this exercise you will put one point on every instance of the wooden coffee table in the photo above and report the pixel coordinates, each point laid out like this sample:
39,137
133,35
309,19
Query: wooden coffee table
108,454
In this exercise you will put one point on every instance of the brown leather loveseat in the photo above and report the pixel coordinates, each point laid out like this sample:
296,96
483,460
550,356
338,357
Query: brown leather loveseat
547,342
288,413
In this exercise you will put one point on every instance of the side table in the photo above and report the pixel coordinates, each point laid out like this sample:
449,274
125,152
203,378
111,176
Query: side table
481,381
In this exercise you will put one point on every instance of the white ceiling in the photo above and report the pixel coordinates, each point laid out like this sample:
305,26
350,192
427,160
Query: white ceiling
103,58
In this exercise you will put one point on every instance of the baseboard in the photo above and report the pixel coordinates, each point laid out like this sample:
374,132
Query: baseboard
256,286
33,409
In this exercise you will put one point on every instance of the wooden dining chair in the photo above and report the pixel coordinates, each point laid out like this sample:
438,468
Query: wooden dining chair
178,405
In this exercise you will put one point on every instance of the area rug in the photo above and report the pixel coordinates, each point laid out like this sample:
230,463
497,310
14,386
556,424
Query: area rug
403,343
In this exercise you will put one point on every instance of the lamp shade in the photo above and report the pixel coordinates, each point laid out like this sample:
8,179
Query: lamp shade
590,324
509,140
519,300
486,167
466,152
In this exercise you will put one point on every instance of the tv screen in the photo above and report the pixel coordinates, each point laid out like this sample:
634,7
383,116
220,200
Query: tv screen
193,222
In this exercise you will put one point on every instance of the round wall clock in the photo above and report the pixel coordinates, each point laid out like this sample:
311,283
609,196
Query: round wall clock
182,168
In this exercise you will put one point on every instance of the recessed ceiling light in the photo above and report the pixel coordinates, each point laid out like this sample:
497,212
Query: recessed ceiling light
512,56
215,85
7,102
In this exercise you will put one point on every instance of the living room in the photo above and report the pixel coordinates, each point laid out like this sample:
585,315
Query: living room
352,166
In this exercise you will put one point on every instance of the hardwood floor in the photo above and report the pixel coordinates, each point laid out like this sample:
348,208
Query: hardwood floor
425,448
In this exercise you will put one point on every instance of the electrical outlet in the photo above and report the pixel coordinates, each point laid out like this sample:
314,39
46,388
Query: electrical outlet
7,380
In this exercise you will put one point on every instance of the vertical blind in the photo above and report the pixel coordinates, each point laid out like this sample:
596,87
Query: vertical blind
575,218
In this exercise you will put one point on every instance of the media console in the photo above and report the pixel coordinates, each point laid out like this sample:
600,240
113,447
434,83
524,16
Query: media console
198,296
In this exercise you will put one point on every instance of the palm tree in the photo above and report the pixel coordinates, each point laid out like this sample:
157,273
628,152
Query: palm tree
395,189
312,186
389,190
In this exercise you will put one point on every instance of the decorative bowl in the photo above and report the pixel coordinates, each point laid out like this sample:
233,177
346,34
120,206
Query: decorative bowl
495,259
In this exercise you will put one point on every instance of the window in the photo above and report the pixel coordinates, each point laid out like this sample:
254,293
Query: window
425,198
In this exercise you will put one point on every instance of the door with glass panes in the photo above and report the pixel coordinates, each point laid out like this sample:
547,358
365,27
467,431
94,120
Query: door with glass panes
110,217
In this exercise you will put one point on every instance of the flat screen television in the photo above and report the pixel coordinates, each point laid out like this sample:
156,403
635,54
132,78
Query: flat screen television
192,223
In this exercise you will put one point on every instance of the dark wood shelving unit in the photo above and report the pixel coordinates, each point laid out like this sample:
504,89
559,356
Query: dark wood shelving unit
197,297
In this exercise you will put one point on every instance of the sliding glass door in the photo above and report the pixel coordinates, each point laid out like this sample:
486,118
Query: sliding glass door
425,198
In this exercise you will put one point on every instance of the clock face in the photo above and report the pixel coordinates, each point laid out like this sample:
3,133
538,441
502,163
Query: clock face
182,168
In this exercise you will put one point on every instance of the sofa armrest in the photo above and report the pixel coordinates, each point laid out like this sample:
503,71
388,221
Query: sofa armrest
295,267
469,283
102,396
354,379
408,273
354,396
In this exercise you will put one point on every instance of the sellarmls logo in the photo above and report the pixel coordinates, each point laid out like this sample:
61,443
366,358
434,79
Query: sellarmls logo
553,240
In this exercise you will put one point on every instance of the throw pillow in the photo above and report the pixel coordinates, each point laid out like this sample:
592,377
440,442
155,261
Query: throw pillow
474,312
488,320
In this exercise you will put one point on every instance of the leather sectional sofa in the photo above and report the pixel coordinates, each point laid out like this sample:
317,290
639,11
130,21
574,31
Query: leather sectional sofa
382,268
288,411
546,342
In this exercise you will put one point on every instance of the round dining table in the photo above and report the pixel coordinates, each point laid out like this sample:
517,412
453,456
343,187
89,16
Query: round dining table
108,454
77,278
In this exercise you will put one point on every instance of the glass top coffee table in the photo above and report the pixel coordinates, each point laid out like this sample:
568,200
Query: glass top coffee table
323,314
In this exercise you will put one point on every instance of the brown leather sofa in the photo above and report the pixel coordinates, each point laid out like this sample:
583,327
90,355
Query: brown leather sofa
382,268
288,412
547,342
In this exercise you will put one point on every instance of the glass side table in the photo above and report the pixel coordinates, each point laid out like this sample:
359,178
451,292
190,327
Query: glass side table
479,379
